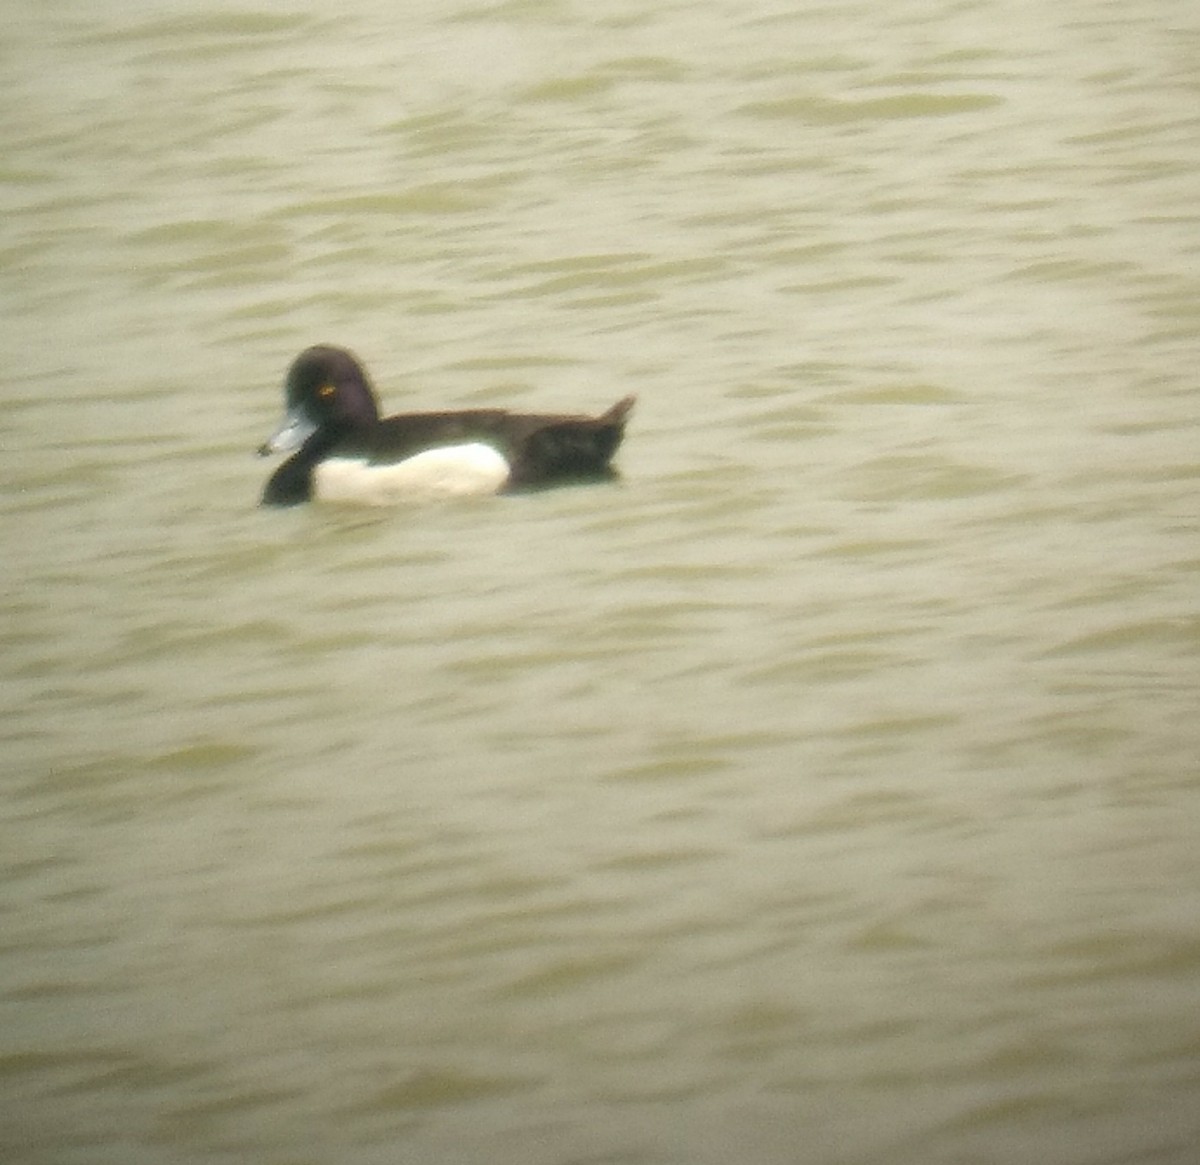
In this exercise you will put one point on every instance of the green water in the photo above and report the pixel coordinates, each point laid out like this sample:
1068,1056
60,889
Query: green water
824,792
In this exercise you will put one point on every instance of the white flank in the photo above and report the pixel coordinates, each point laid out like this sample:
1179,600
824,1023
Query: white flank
452,472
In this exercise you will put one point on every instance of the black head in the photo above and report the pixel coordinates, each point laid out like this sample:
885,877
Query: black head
329,387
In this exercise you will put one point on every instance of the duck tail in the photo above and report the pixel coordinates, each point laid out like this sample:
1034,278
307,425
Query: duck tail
618,413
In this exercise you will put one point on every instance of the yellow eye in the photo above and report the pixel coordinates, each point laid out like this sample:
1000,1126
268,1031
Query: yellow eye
326,391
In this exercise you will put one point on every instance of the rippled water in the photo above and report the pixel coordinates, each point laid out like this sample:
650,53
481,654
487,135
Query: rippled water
825,791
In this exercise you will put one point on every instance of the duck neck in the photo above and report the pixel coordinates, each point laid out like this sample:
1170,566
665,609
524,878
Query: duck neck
292,483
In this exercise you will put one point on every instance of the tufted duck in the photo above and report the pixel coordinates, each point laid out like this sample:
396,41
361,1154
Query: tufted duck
343,450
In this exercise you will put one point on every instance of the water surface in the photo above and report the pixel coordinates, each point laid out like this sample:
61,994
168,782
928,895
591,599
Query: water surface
825,791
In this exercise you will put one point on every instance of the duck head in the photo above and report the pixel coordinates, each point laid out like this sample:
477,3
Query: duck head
326,390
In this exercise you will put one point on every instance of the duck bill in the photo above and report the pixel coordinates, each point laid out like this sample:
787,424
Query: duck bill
293,431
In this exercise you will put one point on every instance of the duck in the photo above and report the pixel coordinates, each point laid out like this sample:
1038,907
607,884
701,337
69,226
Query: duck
341,449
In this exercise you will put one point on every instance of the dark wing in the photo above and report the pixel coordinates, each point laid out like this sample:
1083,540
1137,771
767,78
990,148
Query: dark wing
539,447
406,434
